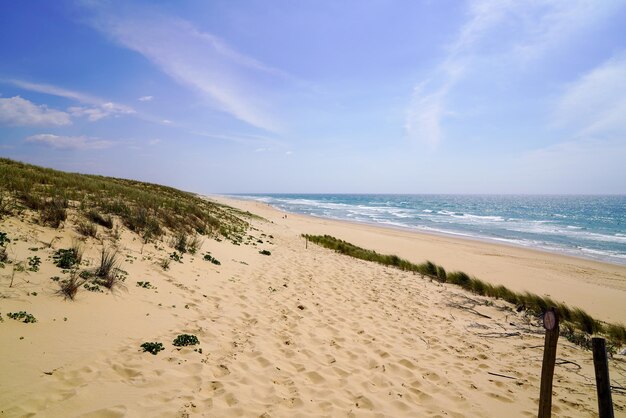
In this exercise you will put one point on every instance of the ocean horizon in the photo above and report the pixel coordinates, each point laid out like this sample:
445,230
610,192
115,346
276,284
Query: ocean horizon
586,226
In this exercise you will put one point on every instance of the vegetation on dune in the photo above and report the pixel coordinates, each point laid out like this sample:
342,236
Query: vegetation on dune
145,208
578,325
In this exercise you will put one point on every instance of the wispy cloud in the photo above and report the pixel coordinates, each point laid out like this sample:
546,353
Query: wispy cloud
525,31
145,98
99,108
596,103
21,112
69,142
235,83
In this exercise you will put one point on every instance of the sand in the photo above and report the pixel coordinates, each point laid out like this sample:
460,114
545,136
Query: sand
301,332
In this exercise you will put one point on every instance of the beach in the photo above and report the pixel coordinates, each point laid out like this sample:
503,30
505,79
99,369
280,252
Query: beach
301,331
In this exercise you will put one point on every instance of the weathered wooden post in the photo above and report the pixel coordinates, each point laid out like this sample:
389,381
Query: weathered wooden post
551,324
603,383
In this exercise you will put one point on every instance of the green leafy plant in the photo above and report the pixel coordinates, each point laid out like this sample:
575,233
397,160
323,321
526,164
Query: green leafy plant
4,239
185,339
209,257
145,285
22,316
176,257
33,263
152,347
66,258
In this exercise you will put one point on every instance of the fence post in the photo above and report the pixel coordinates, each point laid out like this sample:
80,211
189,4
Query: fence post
603,383
551,324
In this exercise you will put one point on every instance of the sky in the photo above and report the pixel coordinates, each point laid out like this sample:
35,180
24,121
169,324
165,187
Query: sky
312,96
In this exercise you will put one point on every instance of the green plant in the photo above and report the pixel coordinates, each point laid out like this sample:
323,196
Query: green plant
68,257
265,252
152,347
176,257
4,239
33,263
145,285
209,257
22,316
185,339
93,288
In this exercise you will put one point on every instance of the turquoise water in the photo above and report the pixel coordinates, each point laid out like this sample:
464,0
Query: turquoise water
584,226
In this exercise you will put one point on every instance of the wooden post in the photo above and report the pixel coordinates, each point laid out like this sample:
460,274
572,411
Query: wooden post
551,324
306,247
603,383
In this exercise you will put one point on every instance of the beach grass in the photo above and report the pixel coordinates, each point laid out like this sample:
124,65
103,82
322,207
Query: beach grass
148,209
575,319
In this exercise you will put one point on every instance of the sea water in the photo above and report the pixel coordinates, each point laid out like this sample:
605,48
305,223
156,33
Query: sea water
584,226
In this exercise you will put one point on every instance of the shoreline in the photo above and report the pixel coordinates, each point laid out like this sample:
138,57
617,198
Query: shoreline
442,233
598,287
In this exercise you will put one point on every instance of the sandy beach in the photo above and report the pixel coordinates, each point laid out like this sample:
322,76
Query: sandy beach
302,332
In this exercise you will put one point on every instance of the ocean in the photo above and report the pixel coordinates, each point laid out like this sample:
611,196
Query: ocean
583,226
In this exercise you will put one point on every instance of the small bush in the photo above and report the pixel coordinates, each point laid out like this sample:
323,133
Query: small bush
265,252
22,316
88,229
193,244
152,347
185,339
180,242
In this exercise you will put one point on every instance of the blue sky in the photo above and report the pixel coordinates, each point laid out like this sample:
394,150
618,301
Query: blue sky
379,96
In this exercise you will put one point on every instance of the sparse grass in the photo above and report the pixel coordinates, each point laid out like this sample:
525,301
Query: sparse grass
194,244
144,208
107,270
95,217
165,263
185,339
577,319
88,229
69,287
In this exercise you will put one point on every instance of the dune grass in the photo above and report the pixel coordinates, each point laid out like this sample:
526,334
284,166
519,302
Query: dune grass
145,208
574,319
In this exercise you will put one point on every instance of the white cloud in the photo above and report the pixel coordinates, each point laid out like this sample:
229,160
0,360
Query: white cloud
235,83
69,142
525,31
99,108
22,112
596,103
145,98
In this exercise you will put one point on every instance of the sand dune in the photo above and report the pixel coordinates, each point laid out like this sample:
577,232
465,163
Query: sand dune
299,333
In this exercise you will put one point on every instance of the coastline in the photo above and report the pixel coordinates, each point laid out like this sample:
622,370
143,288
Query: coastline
595,286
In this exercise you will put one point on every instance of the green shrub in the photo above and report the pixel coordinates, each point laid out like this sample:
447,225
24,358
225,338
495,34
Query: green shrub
185,339
67,258
209,257
22,316
152,347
